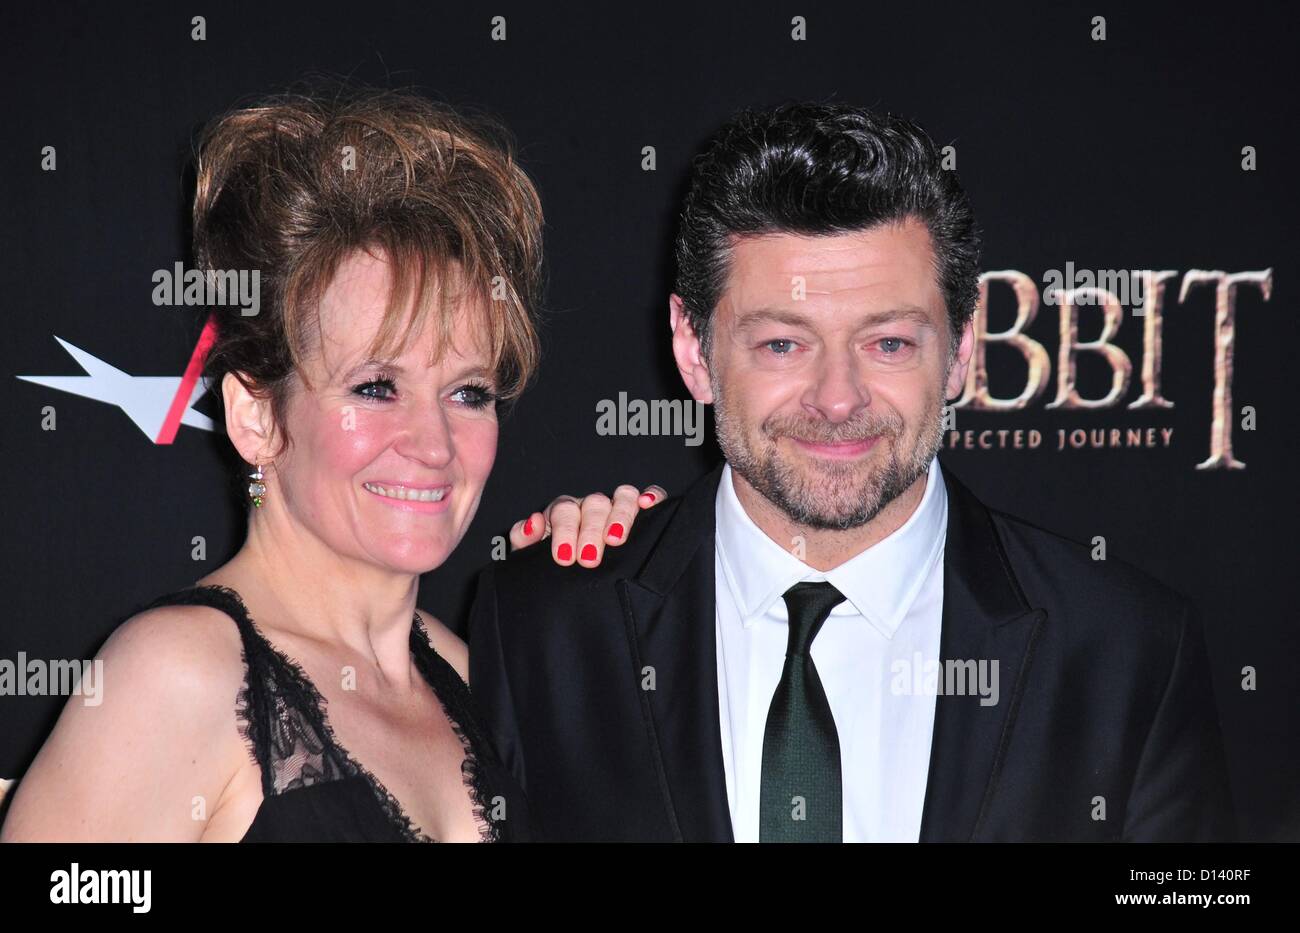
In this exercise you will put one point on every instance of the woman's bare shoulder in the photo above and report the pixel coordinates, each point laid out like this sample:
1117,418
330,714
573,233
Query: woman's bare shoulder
157,741
183,631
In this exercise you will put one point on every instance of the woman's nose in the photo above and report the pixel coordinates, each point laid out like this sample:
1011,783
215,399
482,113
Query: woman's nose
427,437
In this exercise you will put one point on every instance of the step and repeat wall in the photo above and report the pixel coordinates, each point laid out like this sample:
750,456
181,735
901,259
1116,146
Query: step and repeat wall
1133,172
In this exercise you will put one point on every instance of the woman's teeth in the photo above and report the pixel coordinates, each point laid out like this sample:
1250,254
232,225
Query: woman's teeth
410,495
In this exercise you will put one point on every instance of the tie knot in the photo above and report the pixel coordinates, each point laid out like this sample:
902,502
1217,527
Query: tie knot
808,604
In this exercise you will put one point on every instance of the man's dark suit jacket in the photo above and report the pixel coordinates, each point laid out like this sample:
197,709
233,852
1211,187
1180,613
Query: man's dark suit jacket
1104,689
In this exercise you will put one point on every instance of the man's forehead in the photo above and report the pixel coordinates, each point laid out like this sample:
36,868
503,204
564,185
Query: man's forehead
882,245
892,263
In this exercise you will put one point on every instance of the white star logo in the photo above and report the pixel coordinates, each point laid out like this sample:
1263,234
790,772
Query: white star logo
157,404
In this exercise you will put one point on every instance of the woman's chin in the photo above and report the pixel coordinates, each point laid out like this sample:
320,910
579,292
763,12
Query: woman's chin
415,557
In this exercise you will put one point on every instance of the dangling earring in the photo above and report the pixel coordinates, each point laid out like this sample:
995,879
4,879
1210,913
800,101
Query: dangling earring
256,488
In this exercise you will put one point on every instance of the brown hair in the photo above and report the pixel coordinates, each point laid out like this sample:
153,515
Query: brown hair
437,193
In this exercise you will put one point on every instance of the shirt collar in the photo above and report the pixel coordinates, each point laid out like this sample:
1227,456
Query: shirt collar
881,583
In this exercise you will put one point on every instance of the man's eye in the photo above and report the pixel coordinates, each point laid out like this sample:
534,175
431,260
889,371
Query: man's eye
780,347
382,389
893,345
474,396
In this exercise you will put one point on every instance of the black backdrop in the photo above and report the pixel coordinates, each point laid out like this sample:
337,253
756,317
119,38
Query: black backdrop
1124,153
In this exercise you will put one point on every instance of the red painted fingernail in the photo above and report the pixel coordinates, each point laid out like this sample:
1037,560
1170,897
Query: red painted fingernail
589,552
565,551
528,527
648,495
616,530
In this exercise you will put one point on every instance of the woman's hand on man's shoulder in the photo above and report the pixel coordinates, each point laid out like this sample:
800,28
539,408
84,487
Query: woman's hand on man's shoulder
581,529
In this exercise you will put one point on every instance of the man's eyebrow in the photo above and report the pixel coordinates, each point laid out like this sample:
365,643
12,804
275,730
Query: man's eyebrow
747,319
911,313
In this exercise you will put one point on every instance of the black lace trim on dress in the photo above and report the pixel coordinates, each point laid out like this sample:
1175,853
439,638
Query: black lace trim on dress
281,717
454,696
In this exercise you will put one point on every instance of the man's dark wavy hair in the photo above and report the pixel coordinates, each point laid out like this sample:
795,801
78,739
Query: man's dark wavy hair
818,169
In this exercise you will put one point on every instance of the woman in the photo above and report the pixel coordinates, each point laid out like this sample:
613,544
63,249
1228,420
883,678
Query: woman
401,247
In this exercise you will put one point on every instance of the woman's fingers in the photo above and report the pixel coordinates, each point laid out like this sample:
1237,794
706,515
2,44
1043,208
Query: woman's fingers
652,495
621,516
563,518
527,531
606,523
580,530
590,534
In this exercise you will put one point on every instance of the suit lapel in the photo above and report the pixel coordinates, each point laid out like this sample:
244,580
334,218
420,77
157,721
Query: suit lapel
669,609
985,617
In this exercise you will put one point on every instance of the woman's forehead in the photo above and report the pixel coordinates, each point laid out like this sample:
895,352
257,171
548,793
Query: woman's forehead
453,327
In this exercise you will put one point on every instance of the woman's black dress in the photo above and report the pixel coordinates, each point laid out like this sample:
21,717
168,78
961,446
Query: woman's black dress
312,789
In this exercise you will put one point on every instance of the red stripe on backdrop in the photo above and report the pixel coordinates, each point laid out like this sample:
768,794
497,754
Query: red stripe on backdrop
171,424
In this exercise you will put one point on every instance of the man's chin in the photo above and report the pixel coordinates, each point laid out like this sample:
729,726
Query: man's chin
823,518
834,495
814,473
820,501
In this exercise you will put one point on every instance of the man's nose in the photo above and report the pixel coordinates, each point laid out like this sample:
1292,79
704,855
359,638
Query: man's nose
838,389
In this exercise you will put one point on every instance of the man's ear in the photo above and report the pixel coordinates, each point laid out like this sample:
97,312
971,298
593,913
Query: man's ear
687,352
249,422
956,384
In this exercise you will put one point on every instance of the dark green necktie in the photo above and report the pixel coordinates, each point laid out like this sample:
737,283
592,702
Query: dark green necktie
800,795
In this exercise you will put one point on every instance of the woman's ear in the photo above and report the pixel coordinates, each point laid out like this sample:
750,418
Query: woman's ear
249,422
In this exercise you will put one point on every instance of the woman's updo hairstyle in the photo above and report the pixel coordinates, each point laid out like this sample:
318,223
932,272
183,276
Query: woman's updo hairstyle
295,185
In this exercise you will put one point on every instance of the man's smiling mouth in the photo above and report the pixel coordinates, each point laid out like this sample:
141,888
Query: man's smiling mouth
837,448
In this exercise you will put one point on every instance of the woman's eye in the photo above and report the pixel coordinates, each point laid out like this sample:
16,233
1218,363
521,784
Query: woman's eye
780,347
474,396
376,389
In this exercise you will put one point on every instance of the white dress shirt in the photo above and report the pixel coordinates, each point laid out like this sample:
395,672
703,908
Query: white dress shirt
865,655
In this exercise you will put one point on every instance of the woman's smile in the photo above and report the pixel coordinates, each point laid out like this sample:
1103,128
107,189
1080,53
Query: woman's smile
411,498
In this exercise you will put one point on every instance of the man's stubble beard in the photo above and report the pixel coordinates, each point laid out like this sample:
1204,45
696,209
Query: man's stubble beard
829,494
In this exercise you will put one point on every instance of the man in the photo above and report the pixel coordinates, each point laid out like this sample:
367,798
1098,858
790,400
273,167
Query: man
829,637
